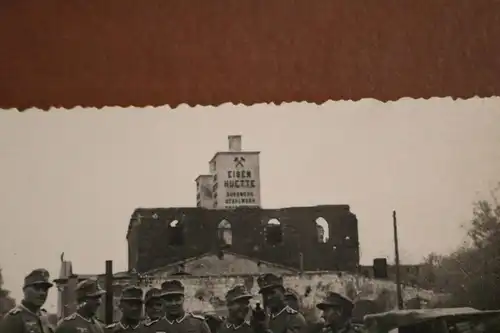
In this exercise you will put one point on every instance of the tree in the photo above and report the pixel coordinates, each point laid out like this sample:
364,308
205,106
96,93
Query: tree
471,274
6,302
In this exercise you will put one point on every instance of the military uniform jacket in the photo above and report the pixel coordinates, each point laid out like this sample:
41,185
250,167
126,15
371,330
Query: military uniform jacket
76,323
189,323
22,320
120,327
287,320
227,327
348,328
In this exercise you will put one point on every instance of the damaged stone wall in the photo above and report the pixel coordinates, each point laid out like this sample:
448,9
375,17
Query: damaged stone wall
149,233
206,294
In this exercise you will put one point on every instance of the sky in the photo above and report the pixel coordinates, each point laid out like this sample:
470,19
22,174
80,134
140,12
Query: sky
71,179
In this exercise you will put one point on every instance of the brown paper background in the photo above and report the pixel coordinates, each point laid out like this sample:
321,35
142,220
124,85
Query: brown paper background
122,52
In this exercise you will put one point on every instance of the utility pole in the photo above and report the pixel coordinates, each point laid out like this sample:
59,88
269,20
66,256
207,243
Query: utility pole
396,254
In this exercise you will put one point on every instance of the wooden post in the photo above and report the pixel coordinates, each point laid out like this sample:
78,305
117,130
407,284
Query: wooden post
109,302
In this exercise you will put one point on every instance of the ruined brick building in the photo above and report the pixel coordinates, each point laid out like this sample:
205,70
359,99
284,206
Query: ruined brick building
316,238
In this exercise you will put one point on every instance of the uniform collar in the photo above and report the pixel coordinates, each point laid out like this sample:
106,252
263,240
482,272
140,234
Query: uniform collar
152,321
274,315
125,327
235,327
178,320
89,320
24,308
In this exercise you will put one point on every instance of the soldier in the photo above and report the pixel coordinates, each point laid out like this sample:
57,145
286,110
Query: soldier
213,321
176,318
131,308
292,299
28,317
337,312
282,318
89,298
238,306
155,308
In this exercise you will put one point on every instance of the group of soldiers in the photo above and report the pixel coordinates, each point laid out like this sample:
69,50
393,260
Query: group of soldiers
165,313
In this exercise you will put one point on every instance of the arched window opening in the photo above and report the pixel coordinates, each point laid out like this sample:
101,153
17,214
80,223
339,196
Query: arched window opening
274,233
175,233
224,233
322,229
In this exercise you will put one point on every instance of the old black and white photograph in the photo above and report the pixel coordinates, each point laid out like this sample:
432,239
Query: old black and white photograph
365,209
249,166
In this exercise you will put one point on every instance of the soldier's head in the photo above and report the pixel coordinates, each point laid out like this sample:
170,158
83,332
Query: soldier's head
154,305
238,302
89,296
36,287
292,299
272,290
172,293
336,308
131,303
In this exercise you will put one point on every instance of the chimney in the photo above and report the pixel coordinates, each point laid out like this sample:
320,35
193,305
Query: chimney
234,143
